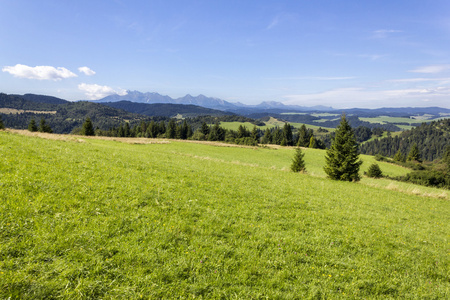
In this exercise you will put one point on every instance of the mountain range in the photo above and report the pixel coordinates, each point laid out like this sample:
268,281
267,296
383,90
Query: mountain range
208,102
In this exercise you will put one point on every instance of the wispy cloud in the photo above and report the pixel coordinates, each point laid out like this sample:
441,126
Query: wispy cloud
384,33
362,97
372,56
39,72
406,80
95,91
281,18
313,78
86,71
431,69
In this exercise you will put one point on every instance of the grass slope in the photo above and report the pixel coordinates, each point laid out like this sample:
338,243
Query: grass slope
105,219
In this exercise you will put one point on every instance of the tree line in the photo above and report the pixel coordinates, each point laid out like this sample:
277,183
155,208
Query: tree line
430,138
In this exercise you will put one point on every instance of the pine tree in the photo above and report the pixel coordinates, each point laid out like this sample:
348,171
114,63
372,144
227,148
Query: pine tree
267,138
446,158
298,164
2,126
342,158
414,153
399,156
374,171
32,126
204,128
312,142
287,134
254,134
88,128
43,127
171,129
303,137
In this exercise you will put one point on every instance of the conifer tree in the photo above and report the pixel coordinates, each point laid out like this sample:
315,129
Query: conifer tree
287,134
171,129
298,164
374,171
88,128
43,127
303,138
312,142
254,134
2,126
446,158
204,128
399,156
32,126
342,158
414,153
267,138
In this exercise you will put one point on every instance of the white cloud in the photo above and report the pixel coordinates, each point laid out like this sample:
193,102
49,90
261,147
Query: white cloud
86,71
95,91
431,69
39,72
406,80
369,98
312,78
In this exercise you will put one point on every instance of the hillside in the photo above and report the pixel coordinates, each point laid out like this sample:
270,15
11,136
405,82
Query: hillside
92,218
62,117
431,139
166,110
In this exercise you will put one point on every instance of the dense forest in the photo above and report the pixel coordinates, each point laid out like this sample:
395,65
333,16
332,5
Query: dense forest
430,138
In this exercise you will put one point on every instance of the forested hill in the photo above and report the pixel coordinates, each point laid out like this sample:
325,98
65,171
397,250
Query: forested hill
431,139
166,109
17,112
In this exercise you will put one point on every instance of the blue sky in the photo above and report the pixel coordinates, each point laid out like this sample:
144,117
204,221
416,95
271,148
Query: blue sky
334,53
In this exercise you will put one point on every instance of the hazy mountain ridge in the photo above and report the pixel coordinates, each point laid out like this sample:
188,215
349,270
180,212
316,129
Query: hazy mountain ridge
208,102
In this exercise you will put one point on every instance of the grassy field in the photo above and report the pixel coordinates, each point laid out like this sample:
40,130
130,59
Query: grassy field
270,124
412,122
88,219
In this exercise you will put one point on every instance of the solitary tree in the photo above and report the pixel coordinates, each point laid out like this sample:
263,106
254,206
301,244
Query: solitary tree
374,171
32,126
342,161
298,164
88,128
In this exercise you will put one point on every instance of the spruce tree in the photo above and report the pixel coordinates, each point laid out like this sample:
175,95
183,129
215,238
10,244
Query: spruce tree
342,158
312,142
446,159
414,153
374,171
171,129
298,164
32,126
287,134
88,128
399,156
43,127
267,138
303,137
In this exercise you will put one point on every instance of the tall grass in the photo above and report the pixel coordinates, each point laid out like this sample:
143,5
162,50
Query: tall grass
104,219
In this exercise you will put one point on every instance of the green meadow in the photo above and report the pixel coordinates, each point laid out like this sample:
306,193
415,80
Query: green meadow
270,124
86,218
